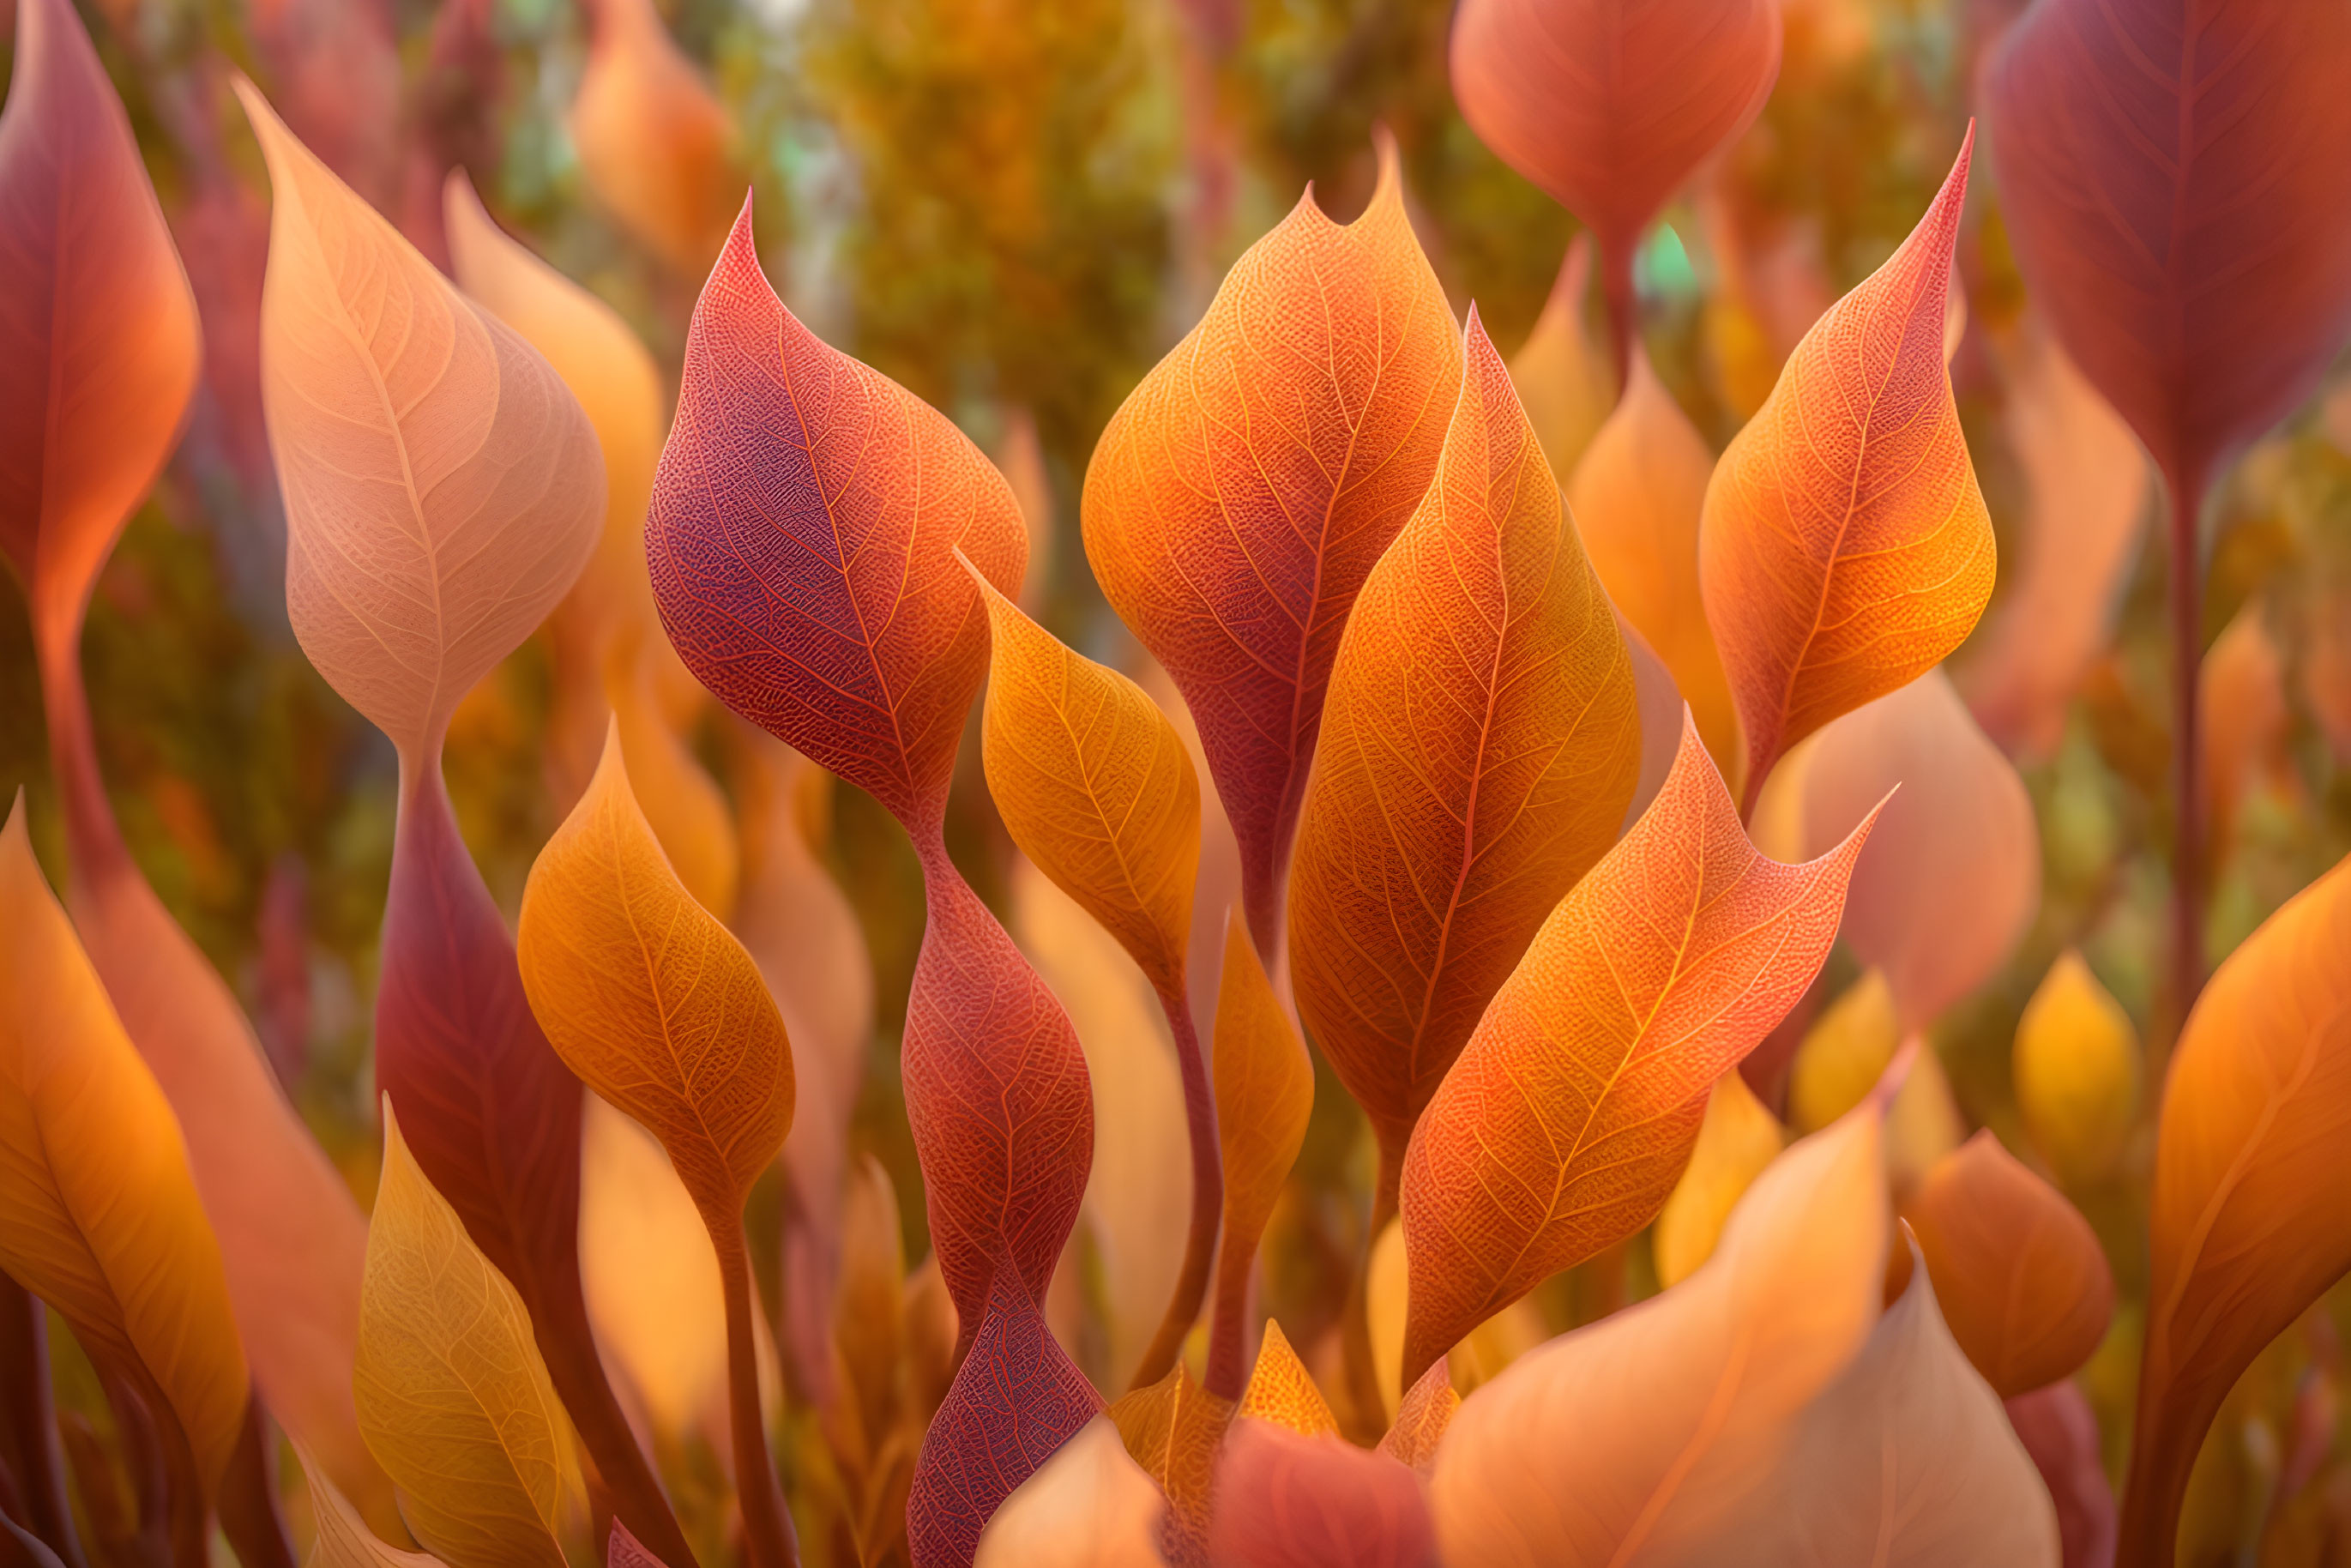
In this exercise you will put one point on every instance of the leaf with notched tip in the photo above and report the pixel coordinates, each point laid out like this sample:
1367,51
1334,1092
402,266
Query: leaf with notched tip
2256,1119
1480,740
1572,1110
803,538
1242,494
1846,547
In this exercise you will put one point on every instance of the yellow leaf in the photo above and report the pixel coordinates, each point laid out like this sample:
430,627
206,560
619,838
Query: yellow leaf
1922,1125
1282,1392
1387,1295
344,1540
1173,1428
1843,1054
2076,1070
1737,1139
98,1215
454,1400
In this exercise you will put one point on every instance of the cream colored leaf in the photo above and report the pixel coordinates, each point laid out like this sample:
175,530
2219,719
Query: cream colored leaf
1089,1506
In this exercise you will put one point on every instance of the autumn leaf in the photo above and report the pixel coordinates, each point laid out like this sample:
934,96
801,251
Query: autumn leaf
454,1400
1242,494
2060,1433
801,540
2256,1109
1480,739
1635,497
655,144
1563,378
2027,1289
98,1215
344,1540
1265,1095
1612,107
1173,1428
2247,722
2206,285
1016,1400
1844,1054
1281,1392
1089,1506
1846,547
1737,1141
1574,1108
1422,1417
1625,1440
2076,1067
1285,1499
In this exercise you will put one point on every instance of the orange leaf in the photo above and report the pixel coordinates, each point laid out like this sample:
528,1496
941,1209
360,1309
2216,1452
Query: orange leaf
1265,1096
1736,1143
1563,380
2256,1125
656,145
1089,1506
1845,549
1636,497
2076,1070
1480,742
1624,1441
1242,494
2025,1289
1427,1409
1172,1428
1566,1123
2242,685
1281,1392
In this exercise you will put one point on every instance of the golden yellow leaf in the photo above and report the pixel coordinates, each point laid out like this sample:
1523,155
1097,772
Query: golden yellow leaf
1736,1141
98,1215
454,1400
1843,1054
1387,1295
2076,1070
1172,1428
1282,1392
344,1541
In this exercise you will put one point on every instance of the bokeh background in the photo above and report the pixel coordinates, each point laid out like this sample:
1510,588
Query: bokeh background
1015,207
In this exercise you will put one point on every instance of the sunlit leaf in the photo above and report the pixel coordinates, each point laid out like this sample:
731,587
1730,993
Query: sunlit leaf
1566,1123
1846,547
1480,739
1173,1428
344,1540
1421,1419
2076,1070
1089,1506
655,144
1281,1392
1242,494
2256,1119
454,1400
1562,377
1287,1500
1737,1139
1628,1440
1843,1054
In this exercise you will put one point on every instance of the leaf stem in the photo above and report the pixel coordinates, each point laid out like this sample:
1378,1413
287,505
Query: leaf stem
2190,853
1623,305
768,1538
1207,1190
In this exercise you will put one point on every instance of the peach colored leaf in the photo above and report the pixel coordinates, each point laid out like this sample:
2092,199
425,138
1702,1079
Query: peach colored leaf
1736,1143
344,1540
1016,1400
2256,1125
2060,1432
1173,1428
1636,497
2168,174
803,538
2247,721
1624,1442
1907,1461
1427,1409
1846,547
443,488
1281,1392
1285,1499
655,144
1242,494
1020,456
1265,1095
2085,492
1562,377
1089,1506
1571,1114
1480,739
1952,876
2028,1290
98,1215
454,1400
2076,1070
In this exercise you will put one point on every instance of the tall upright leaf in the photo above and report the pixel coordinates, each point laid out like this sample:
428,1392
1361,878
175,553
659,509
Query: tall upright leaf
99,332
1480,741
442,490
1242,494
656,143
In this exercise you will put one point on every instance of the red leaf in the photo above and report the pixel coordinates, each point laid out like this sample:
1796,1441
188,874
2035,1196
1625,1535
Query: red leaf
2060,1431
1286,1500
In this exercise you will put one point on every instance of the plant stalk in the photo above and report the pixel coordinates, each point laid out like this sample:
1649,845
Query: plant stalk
1207,1190
768,1538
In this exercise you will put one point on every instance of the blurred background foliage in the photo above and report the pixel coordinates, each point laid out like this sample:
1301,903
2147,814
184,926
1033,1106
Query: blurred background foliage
1015,207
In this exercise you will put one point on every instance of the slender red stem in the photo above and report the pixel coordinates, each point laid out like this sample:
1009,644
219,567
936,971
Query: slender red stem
1207,1190
2191,851
97,851
1624,304
768,1538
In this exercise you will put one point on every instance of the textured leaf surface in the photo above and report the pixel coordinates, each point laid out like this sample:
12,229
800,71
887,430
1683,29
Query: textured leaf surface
1909,1461
453,1399
2025,1289
802,539
1635,497
1426,1410
2256,1118
651,1001
1094,787
654,142
1242,494
1737,1141
1265,1096
1288,1501
1016,1401
344,1540
1173,1428
98,1215
2076,1070
2169,173
1480,740
1846,547
442,488
1089,1506
1571,1114
1624,1441
1281,1392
